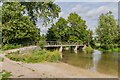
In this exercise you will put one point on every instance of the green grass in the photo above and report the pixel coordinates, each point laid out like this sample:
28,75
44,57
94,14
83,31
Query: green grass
10,46
1,59
114,49
5,75
35,56
88,49
20,75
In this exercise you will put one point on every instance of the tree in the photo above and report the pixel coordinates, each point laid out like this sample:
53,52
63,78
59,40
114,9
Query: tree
59,31
76,31
52,34
43,37
89,39
16,27
63,28
106,30
46,11
77,27
19,20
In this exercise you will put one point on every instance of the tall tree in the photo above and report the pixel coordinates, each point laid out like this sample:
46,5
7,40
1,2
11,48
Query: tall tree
19,20
52,34
60,30
46,11
89,38
77,27
16,27
106,30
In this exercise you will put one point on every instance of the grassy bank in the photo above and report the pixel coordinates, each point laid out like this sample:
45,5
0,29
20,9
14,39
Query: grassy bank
114,49
101,49
89,49
35,56
11,46
5,75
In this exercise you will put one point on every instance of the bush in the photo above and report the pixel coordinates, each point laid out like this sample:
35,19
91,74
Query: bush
5,75
41,44
89,49
35,56
10,46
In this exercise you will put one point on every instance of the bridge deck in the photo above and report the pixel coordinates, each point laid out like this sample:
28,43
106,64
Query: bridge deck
60,45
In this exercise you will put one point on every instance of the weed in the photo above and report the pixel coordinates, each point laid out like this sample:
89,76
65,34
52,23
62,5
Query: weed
5,75
20,75
35,56
89,49
1,59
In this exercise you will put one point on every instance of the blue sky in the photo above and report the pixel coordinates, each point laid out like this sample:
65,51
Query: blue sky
89,11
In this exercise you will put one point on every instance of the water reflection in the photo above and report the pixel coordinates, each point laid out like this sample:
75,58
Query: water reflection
103,62
96,57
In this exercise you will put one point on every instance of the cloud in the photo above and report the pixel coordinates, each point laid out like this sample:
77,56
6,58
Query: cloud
89,12
80,8
43,30
95,13
86,0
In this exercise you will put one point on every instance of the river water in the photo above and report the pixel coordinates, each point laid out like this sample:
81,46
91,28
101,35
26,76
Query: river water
97,61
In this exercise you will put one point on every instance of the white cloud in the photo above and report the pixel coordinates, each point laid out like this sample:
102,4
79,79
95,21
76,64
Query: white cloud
80,8
77,7
87,0
95,13
88,11
43,30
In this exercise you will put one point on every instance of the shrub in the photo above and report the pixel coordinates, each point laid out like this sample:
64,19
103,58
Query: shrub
10,46
41,44
35,56
5,75
89,49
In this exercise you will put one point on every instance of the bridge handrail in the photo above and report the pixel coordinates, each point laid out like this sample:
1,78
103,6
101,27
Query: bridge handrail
60,43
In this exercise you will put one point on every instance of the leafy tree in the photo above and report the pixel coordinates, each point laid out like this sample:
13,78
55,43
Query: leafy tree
76,31
43,37
19,20
106,30
77,27
16,27
52,34
59,31
63,28
89,39
46,11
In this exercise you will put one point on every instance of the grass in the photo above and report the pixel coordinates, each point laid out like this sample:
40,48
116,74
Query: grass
10,46
114,49
35,56
31,69
1,59
20,75
89,49
5,75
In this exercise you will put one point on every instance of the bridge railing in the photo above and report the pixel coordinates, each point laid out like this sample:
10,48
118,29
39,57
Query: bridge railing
59,43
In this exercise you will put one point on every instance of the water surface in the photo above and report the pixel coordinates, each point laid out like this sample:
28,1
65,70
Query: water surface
97,61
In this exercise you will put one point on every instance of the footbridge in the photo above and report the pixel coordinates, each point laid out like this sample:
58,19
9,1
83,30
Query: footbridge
59,45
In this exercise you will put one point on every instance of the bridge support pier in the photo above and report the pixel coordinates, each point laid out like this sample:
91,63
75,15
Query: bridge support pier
84,47
60,49
74,48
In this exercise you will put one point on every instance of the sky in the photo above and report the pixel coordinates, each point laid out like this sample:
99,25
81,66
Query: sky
89,11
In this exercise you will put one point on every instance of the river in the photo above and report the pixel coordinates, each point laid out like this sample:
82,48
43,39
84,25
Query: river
97,61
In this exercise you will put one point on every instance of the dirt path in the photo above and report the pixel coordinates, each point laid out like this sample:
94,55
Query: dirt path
48,70
22,49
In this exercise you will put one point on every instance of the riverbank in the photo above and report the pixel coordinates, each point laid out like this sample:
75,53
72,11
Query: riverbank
48,70
101,49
